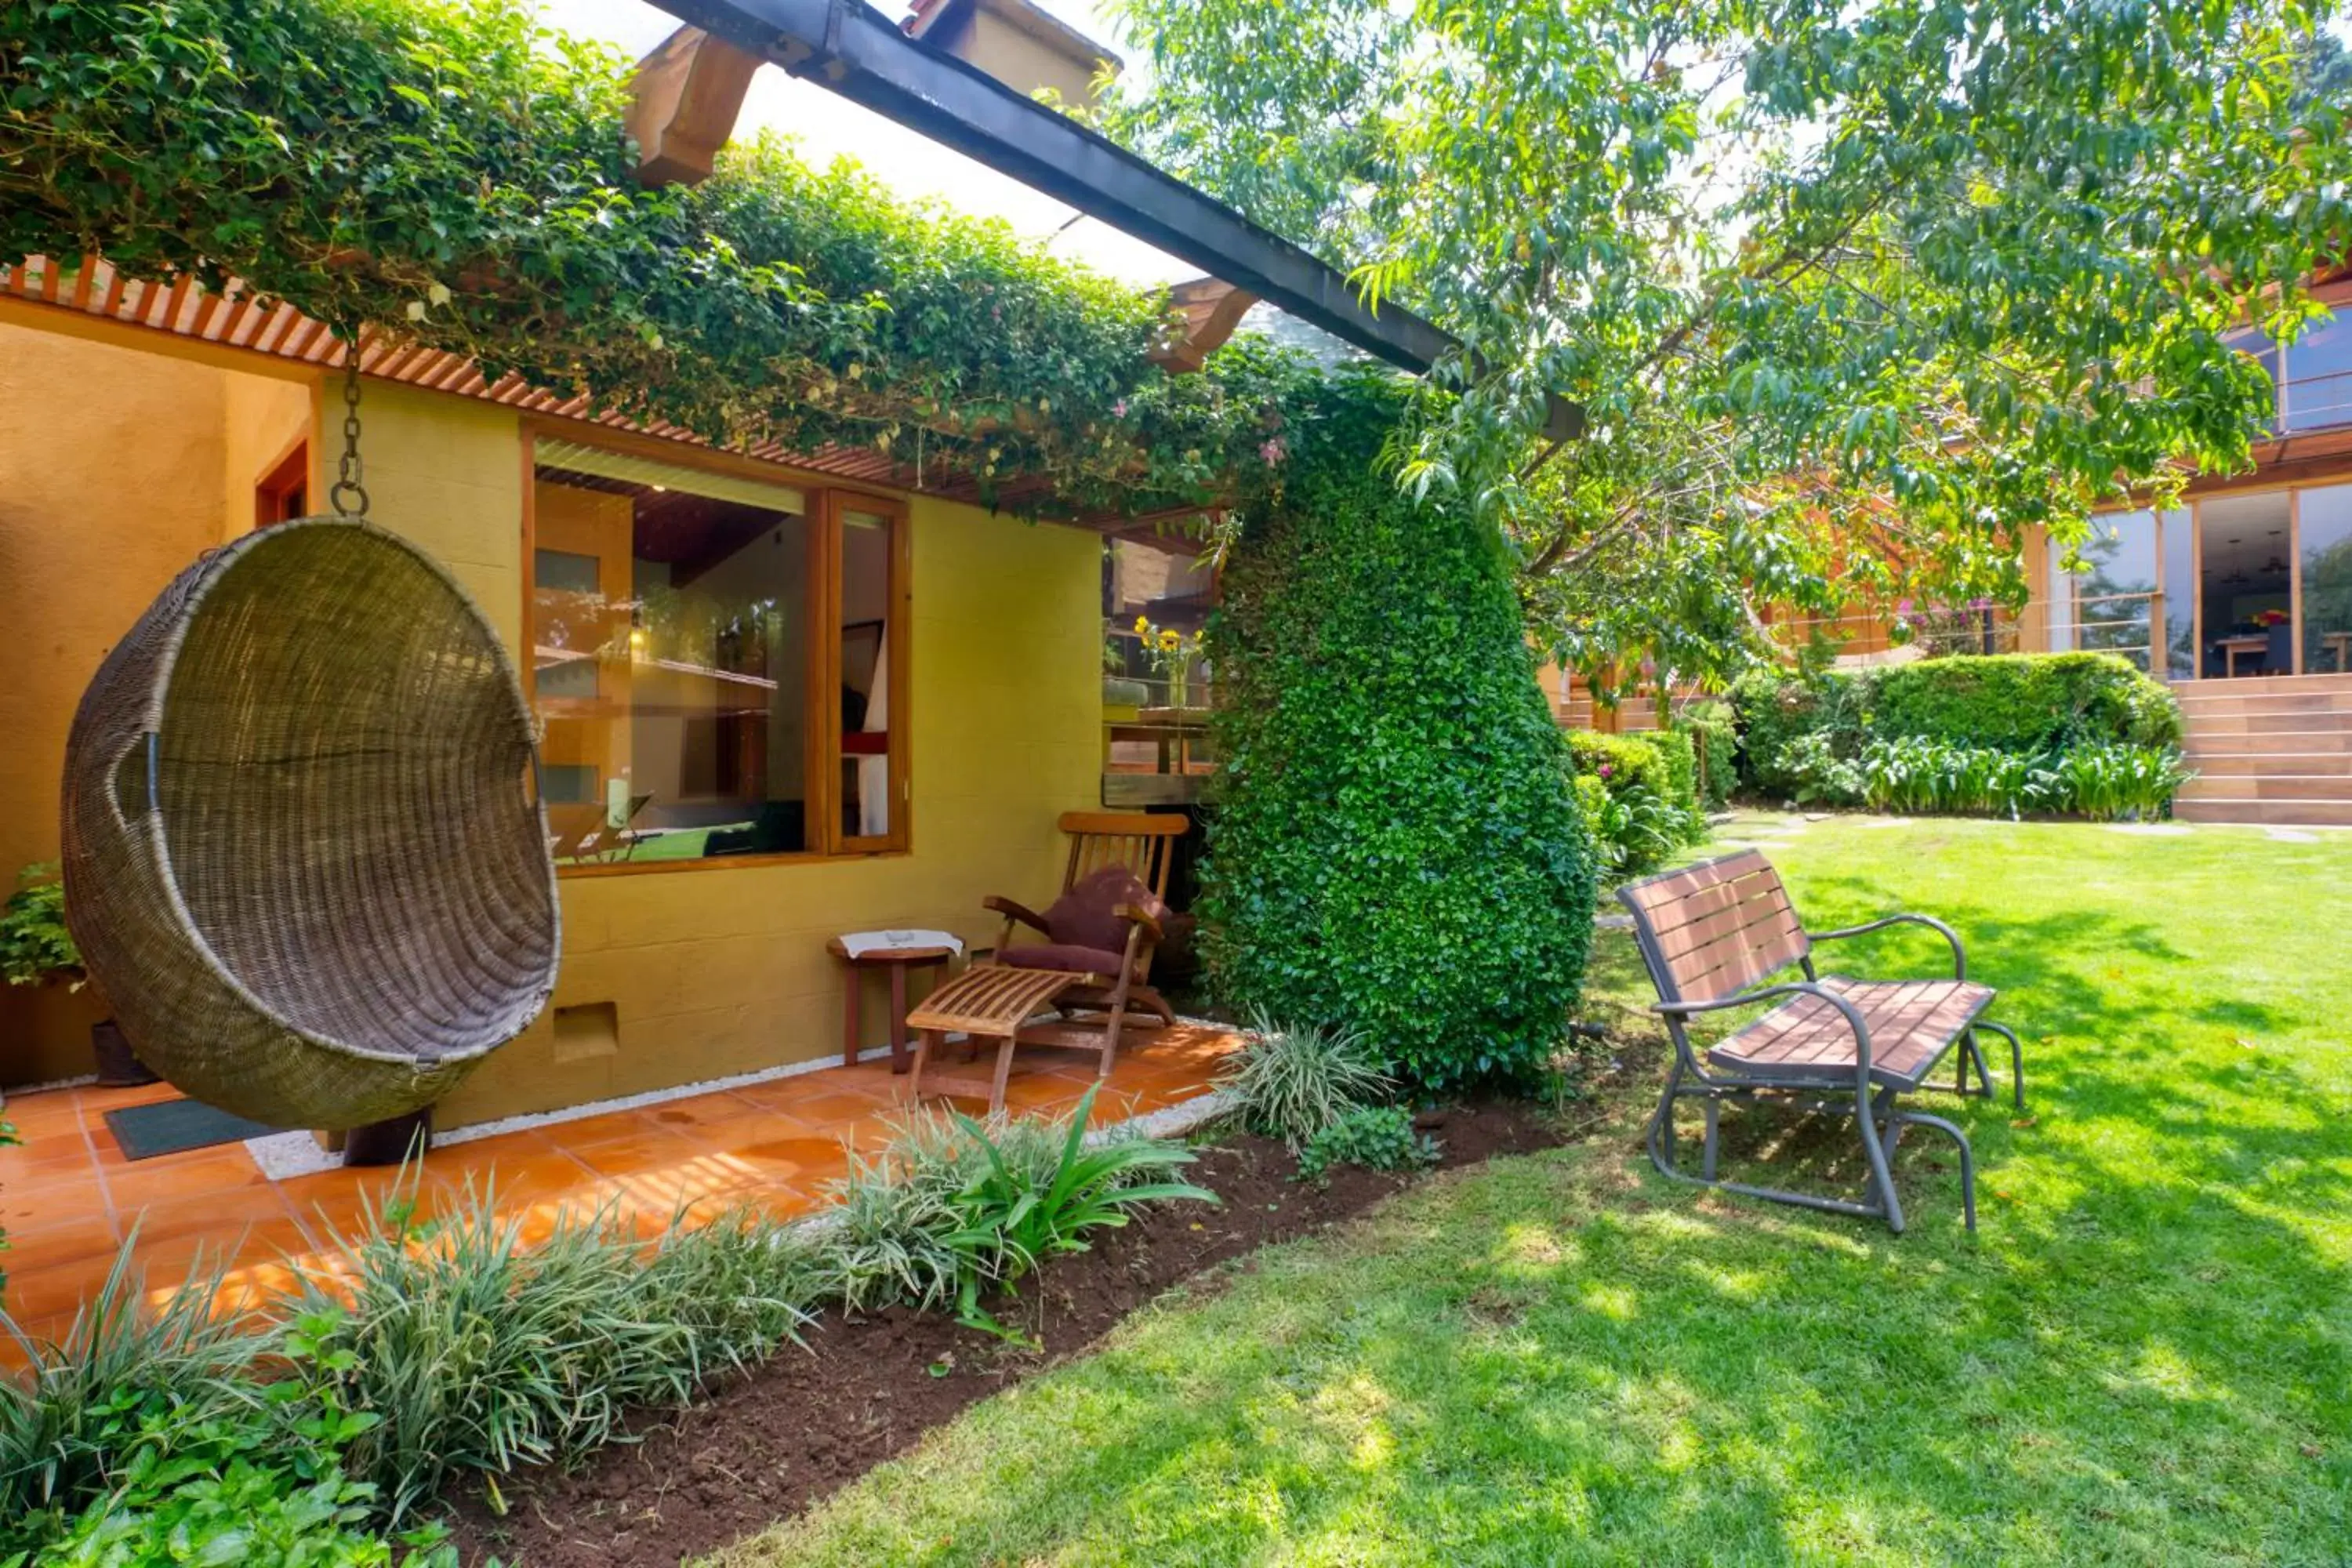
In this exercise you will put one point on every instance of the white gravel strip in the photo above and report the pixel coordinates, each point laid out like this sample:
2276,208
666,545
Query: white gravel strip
281,1155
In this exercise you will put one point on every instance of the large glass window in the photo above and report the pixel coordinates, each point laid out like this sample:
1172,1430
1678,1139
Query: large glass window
704,692
2113,600
2317,393
2257,343
2324,518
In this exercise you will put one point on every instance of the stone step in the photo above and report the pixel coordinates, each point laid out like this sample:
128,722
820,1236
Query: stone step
2336,787
2203,724
2267,813
2325,681
2298,764
2197,710
2206,743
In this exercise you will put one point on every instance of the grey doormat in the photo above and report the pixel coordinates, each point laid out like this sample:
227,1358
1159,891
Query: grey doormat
176,1126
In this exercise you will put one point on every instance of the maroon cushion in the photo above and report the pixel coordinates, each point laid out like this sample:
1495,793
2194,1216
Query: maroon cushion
1085,917
1064,956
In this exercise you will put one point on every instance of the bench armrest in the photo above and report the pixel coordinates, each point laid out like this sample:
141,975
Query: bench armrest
1959,955
1012,912
1675,1012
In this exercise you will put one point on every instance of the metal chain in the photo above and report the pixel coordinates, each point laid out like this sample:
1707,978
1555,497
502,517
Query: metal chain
348,496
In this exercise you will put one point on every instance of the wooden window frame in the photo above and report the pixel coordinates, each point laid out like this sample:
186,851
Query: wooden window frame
896,601
290,475
824,504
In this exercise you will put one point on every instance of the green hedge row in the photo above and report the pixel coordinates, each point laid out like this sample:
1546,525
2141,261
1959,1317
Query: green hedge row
1824,737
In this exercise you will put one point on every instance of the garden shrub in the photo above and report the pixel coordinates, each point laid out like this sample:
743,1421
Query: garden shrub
1630,829
1377,1137
2021,703
1396,849
1291,1083
1639,795
1915,774
1714,731
2076,733
34,944
1019,1211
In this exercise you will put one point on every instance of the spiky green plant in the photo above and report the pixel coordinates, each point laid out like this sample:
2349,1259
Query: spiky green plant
82,1399
1290,1082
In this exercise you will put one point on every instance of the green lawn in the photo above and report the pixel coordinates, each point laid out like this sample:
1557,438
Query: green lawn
2145,1355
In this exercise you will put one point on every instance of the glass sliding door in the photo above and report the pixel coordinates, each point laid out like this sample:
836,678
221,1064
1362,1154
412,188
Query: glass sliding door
2246,581
2178,597
2323,547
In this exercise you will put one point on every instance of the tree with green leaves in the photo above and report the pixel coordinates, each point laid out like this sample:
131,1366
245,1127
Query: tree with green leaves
1850,293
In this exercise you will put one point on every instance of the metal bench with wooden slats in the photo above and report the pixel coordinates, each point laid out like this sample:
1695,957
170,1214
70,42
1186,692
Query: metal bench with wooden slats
1710,932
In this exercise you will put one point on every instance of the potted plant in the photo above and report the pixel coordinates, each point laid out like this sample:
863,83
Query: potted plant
35,947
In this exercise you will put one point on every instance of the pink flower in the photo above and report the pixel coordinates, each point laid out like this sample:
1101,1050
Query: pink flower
1274,451
1118,409
1608,770
1902,608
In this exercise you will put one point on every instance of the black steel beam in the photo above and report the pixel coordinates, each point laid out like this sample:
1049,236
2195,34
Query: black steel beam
848,46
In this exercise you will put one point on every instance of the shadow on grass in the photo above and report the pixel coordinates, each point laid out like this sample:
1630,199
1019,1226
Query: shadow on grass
2144,1357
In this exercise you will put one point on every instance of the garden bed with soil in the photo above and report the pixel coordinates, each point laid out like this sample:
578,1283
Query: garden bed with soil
765,1446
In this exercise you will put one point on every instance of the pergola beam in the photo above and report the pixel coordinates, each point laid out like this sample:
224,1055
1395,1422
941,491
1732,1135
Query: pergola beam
852,50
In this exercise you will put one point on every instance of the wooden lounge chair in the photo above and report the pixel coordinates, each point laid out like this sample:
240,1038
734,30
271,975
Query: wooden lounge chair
1710,932
1108,922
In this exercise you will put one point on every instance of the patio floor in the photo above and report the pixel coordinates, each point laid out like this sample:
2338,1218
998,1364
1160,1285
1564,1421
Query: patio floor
69,1198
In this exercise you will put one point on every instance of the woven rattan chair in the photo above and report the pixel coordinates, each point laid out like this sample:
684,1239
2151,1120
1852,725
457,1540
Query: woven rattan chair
301,859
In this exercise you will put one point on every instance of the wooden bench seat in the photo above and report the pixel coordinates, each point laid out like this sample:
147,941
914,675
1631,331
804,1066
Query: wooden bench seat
1912,1024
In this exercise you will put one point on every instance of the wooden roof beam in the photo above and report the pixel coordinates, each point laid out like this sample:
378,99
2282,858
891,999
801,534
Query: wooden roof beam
1213,308
685,98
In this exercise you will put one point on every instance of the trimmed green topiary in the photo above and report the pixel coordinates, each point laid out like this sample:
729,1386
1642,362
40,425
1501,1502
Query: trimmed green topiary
1396,850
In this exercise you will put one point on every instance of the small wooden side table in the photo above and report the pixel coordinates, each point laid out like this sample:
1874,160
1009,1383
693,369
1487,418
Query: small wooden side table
2340,645
898,961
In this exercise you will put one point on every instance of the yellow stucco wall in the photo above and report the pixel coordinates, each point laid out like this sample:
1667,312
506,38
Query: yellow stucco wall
114,465
708,970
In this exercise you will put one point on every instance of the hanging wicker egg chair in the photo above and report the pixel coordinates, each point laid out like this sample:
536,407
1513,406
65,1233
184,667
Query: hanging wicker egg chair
301,860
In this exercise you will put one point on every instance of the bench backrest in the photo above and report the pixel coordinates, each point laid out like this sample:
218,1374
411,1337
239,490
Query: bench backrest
1717,928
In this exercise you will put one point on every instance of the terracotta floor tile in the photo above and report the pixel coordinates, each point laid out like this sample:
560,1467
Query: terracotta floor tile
46,1160
42,1115
836,1105
59,1290
165,1218
773,1147
221,1171
57,1193
37,1240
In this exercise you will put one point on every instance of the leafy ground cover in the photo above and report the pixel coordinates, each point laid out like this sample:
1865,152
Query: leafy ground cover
2145,1355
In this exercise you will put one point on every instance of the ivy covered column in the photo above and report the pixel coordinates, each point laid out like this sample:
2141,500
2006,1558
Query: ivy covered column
1397,847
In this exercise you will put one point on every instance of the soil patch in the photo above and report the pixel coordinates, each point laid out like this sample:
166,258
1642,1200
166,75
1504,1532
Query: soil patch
765,1446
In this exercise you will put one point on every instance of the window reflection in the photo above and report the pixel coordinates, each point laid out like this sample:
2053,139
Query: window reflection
670,655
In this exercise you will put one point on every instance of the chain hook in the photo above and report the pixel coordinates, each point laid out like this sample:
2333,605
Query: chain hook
348,495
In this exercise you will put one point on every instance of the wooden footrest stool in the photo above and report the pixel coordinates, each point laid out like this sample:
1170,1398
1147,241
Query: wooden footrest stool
986,1001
